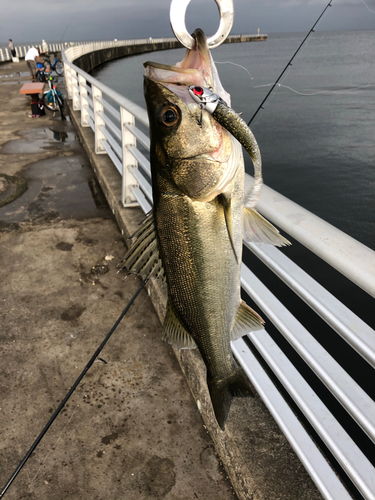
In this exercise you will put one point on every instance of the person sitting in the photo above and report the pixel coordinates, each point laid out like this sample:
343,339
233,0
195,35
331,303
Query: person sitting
42,72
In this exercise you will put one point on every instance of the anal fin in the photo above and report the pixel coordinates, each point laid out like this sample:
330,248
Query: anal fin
174,332
247,320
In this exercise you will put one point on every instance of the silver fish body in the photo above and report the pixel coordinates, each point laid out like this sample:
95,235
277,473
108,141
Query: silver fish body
194,234
199,234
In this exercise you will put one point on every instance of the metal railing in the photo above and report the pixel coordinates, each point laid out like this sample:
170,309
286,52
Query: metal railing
116,123
5,54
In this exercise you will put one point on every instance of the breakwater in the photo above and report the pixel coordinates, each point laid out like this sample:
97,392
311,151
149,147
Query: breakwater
89,61
119,47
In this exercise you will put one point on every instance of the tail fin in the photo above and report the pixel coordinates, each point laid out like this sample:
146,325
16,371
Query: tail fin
222,392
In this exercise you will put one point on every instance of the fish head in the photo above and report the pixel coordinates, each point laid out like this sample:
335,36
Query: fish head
191,149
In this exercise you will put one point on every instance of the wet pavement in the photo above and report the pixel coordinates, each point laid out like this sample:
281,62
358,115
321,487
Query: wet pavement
131,430
60,187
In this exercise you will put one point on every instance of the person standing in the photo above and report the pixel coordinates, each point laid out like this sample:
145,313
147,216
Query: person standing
11,48
31,58
44,46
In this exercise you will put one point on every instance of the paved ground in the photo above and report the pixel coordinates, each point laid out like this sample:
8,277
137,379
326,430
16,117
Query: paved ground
131,430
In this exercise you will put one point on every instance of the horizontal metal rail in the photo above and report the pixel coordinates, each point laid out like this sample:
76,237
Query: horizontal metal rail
143,203
348,325
354,399
112,126
112,142
140,136
92,124
347,255
114,112
90,111
342,252
141,159
112,155
143,183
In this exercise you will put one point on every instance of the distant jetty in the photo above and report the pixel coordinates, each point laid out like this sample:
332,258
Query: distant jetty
246,38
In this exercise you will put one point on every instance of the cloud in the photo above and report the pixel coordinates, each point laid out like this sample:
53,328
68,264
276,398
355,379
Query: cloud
98,19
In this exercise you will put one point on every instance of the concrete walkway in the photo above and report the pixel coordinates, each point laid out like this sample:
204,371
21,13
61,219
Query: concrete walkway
131,430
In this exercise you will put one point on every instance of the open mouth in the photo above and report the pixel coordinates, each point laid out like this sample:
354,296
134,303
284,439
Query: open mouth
197,68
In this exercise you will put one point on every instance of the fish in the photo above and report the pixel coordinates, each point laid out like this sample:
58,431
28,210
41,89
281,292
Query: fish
192,238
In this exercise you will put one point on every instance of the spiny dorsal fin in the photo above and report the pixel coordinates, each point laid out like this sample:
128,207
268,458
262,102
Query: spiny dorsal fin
174,332
256,229
246,321
225,202
143,256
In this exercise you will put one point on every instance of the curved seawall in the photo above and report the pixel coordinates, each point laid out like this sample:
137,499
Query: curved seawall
89,61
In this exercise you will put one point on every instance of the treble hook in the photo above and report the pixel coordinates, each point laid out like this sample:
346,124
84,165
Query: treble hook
177,18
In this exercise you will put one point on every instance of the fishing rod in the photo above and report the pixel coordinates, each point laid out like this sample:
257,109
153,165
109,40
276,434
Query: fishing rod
72,389
69,23
290,62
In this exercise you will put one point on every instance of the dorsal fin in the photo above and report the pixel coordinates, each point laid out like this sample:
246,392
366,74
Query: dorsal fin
174,331
256,229
143,256
246,321
226,204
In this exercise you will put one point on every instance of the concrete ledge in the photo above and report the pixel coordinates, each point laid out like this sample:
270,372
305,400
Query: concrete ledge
258,459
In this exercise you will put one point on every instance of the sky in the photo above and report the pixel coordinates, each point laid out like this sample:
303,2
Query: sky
76,20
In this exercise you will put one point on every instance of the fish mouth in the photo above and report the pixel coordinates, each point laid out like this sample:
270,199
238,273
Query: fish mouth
197,68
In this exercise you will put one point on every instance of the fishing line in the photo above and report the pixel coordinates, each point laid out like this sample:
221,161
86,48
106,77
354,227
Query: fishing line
367,7
290,62
342,92
72,389
235,64
307,94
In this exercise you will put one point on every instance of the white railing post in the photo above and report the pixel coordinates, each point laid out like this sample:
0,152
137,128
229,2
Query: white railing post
83,94
99,122
68,80
75,93
127,139
1,55
7,54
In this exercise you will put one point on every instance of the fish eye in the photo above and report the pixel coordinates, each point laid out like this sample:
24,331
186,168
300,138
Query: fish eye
169,115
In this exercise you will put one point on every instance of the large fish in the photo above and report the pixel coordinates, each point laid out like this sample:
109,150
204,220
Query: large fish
193,236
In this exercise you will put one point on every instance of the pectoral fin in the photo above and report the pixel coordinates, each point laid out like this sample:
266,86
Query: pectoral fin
143,256
256,229
246,321
226,204
174,332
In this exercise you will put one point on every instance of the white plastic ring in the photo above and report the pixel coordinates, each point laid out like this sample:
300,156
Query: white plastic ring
177,18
